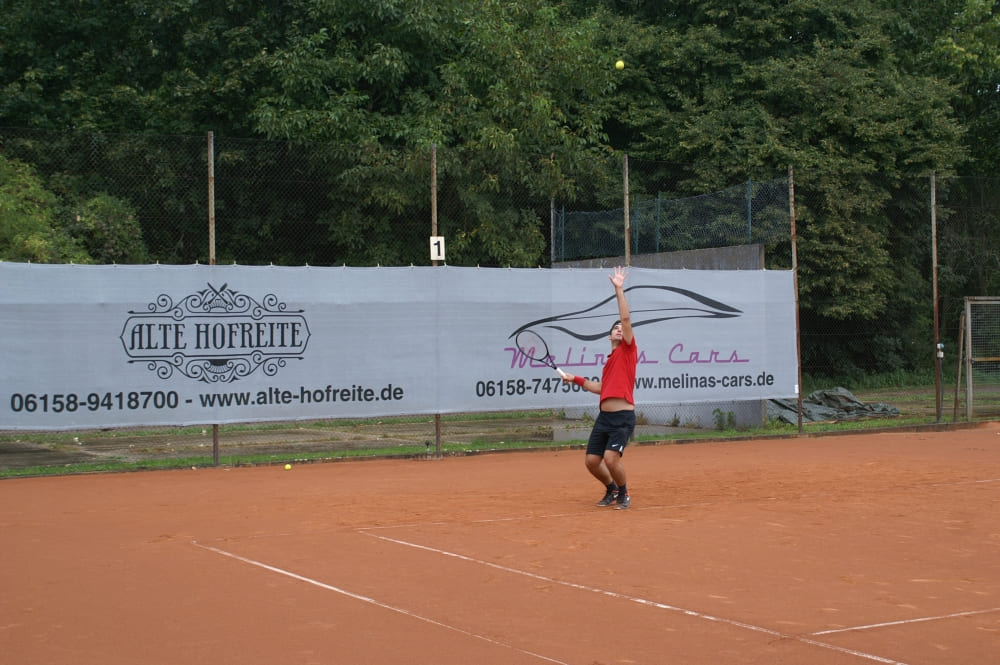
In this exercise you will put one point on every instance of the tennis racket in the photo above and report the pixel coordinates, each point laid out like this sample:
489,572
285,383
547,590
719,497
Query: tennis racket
531,344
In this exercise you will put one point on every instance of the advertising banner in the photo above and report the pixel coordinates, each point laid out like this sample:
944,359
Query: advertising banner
111,346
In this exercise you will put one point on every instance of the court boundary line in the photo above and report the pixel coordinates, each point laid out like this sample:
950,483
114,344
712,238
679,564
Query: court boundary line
641,601
903,622
803,639
372,601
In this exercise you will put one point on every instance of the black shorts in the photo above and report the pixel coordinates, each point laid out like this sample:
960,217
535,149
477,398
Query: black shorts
612,429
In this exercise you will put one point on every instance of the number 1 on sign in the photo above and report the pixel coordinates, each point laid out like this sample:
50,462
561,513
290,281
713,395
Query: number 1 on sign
437,248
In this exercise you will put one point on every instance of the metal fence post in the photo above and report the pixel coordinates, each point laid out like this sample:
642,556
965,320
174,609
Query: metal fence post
434,232
628,255
211,257
795,281
938,348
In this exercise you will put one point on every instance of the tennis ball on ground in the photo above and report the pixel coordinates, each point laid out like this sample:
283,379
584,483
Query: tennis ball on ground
287,467
620,64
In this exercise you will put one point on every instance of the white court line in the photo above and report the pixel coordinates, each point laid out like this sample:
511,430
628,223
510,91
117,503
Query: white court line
372,601
903,622
707,617
643,601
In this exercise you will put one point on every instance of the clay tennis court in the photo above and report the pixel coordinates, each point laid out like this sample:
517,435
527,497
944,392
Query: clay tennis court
879,548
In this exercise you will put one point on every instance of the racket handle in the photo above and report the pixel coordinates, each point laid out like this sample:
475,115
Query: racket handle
562,373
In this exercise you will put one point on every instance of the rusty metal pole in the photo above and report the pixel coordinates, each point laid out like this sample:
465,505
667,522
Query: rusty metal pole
211,257
628,242
795,282
434,232
938,347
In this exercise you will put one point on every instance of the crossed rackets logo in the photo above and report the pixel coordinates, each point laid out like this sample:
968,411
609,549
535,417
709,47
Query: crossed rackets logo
215,335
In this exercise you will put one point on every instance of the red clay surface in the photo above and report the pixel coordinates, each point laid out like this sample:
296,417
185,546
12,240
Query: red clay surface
847,550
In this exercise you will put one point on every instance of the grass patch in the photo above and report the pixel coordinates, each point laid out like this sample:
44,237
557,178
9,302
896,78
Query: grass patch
112,465
467,433
858,383
69,437
268,459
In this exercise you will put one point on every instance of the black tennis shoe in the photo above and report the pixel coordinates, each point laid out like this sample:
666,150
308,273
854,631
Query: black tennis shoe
622,501
609,498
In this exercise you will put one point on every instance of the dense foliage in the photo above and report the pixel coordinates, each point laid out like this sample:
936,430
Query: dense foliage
860,96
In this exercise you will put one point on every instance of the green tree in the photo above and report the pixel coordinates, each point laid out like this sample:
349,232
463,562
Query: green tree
738,89
28,214
170,66
109,230
524,104
508,91
113,79
523,110
968,52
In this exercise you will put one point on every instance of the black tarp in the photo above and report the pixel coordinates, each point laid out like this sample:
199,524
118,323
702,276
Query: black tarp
826,405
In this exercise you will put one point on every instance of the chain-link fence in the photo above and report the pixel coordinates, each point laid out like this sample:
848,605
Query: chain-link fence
745,214
282,203
142,198
979,354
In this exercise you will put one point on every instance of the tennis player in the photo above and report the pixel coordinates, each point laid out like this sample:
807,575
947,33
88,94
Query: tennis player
615,423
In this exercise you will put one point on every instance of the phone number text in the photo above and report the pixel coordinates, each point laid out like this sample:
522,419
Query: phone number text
71,402
500,388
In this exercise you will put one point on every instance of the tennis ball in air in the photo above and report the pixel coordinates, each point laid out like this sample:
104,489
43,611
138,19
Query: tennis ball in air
620,64
287,467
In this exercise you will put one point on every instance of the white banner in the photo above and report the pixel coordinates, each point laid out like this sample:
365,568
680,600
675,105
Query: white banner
109,346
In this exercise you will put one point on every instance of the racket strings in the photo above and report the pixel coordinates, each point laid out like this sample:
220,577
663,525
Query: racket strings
533,346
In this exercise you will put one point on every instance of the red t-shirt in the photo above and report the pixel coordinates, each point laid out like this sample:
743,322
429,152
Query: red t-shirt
618,376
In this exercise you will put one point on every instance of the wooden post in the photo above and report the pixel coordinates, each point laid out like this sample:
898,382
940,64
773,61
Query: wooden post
211,257
211,198
960,358
968,361
628,242
795,281
938,349
434,232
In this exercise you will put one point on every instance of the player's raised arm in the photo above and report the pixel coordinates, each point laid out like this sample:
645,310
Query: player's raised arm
618,279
